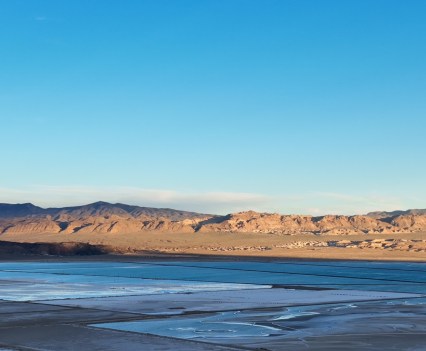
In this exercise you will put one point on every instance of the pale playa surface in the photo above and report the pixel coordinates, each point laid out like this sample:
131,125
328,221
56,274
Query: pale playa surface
408,247
208,301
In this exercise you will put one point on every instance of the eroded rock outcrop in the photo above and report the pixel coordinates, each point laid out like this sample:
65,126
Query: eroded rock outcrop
37,225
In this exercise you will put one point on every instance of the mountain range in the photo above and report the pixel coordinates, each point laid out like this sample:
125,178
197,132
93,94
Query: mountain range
104,217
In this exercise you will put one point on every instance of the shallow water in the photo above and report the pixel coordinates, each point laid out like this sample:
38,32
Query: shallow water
389,276
289,323
221,293
167,277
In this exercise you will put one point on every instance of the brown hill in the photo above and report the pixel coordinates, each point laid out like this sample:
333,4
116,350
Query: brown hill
99,208
103,217
99,217
384,214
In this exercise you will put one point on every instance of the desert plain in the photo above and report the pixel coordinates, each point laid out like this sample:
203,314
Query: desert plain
398,247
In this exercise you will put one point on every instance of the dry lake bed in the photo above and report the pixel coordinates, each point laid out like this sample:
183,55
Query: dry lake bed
212,305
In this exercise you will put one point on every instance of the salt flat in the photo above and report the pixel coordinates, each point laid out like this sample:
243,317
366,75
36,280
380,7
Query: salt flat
227,300
212,305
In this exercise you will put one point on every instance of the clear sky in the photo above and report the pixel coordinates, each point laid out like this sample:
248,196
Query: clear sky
295,106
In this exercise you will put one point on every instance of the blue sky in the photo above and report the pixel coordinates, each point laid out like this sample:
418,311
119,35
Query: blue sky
293,106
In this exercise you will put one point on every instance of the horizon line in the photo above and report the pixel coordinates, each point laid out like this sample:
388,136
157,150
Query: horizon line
196,211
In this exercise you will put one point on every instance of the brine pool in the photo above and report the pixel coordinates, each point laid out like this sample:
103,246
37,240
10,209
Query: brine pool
233,302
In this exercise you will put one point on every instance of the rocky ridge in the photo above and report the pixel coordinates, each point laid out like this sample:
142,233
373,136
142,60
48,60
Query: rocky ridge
103,217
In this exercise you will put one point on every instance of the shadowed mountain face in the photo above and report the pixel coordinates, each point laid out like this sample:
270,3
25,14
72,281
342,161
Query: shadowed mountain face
19,210
103,217
95,209
383,214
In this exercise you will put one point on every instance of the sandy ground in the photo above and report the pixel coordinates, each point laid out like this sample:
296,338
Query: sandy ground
237,244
